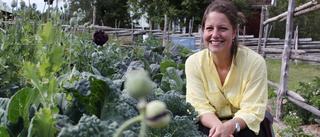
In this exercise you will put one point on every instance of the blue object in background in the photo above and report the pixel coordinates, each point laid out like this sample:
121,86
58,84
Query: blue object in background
187,42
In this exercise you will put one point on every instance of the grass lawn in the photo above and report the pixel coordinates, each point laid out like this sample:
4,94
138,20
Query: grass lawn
303,72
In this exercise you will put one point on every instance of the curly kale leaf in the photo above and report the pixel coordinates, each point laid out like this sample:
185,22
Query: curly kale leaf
171,80
180,126
94,101
93,126
82,86
63,121
127,106
177,105
67,107
102,99
87,126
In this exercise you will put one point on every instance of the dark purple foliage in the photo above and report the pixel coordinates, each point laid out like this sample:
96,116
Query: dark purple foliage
49,1
100,37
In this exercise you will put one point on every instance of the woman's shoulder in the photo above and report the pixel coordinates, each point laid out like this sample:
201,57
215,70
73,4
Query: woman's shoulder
245,53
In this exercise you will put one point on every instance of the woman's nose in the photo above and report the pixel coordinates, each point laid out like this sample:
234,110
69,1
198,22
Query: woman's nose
215,33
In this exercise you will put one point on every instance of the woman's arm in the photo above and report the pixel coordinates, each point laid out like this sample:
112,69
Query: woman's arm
217,128
255,95
209,120
195,93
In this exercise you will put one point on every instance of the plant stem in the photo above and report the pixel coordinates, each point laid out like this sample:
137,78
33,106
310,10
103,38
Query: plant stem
126,124
142,108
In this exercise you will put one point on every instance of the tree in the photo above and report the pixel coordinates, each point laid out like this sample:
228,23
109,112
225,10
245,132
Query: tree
107,11
85,5
110,11
308,28
177,10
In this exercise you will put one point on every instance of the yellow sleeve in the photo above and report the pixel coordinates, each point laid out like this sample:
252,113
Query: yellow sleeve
253,104
195,87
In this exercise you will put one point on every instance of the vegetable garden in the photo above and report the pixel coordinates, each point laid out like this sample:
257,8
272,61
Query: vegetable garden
58,81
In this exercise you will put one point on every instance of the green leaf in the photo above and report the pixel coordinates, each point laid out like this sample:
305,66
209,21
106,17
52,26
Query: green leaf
95,100
95,71
4,132
56,57
48,35
16,128
172,81
165,64
20,102
158,49
32,73
43,68
3,108
181,66
4,102
43,123
146,65
52,90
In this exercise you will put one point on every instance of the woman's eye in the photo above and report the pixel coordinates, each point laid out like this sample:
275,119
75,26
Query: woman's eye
223,28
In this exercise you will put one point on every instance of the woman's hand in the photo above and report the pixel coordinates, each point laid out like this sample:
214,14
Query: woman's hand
223,130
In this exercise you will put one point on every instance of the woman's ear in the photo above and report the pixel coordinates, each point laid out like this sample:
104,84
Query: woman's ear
234,34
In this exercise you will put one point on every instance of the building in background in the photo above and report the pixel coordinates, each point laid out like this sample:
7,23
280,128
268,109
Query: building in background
253,23
5,11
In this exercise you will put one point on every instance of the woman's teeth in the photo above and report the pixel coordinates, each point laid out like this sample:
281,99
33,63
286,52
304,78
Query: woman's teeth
212,42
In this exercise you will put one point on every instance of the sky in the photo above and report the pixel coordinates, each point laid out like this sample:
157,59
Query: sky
40,3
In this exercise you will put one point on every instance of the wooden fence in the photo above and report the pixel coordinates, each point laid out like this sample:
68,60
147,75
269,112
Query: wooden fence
288,54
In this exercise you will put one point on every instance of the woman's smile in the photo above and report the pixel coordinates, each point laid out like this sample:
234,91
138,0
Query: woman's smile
216,43
218,33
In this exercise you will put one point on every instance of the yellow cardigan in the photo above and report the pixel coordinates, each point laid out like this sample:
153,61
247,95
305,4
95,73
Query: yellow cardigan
244,93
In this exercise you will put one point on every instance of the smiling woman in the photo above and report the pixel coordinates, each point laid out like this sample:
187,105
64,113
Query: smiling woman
227,83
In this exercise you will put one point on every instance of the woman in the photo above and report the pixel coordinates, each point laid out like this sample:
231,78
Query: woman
226,83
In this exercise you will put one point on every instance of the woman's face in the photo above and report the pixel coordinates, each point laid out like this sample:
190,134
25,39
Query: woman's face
218,33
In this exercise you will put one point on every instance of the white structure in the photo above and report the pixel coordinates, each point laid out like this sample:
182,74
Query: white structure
5,7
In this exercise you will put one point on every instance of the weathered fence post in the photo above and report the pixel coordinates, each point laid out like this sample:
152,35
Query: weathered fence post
243,34
265,41
191,26
94,14
261,29
201,37
164,31
150,24
285,61
296,42
132,28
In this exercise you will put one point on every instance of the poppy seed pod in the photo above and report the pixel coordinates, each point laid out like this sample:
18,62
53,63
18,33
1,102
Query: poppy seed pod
34,6
73,22
138,83
79,10
157,115
65,5
13,4
92,26
94,55
71,51
86,24
75,14
22,4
